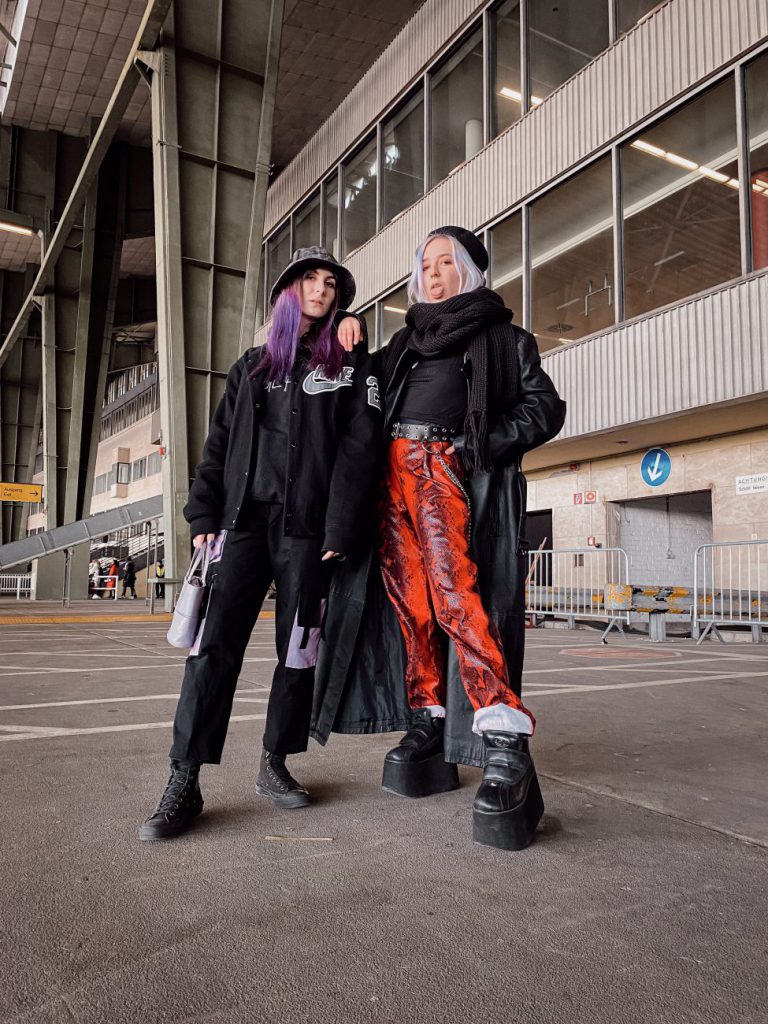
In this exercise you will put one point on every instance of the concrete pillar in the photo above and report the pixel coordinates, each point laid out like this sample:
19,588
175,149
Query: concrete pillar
212,83
48,577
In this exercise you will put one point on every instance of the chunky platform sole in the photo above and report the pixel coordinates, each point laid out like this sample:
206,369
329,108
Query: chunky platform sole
423,778
288,801
513,829
151,831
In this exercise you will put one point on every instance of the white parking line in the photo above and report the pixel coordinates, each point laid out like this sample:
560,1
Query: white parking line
614,666
23,670
112,700
138,727
647,683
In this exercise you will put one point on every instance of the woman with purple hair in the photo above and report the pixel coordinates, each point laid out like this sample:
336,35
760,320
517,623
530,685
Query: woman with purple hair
288,474
465,397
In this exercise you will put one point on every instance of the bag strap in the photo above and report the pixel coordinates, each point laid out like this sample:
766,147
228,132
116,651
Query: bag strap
201,560
206,562
198,558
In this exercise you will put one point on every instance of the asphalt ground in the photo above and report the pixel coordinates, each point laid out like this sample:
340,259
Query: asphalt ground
644,899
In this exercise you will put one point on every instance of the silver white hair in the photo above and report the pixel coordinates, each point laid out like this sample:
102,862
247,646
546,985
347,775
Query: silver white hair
469,275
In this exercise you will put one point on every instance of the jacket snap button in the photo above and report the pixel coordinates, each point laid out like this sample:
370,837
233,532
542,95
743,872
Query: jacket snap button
294,411
294,444
291,479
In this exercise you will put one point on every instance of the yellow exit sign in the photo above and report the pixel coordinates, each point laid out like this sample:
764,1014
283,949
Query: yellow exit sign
21,492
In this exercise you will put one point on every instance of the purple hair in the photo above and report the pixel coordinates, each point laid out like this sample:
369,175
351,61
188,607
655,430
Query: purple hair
283,338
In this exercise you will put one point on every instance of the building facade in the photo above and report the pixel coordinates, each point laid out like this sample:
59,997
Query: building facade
614,154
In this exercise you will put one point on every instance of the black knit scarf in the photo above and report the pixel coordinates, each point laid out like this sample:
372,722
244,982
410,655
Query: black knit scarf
478,323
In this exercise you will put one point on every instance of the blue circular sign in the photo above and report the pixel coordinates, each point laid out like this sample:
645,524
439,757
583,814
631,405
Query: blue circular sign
655,467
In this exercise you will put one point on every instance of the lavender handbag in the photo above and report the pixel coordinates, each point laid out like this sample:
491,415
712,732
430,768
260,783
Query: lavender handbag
187,613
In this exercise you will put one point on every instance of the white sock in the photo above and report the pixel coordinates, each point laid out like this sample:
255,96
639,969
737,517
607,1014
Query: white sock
501,718
436,710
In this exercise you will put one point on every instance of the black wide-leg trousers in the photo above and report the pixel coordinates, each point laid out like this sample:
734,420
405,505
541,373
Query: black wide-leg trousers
250,559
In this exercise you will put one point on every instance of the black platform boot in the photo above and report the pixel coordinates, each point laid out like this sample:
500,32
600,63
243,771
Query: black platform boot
508,804
416,766
179,805
276,782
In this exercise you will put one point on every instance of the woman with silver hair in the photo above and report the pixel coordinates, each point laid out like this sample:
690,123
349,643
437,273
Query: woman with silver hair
465,397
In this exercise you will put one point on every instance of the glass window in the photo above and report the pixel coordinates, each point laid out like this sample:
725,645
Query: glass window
369,313
681,203
153,464
393,310
278,256
757,114
123,472
563,37
331,240
632,11
139,470
507,86
572,258
359,219
457,108
403,176
507,263
306,223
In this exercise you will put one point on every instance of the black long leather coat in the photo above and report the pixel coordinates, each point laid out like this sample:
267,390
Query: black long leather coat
360,683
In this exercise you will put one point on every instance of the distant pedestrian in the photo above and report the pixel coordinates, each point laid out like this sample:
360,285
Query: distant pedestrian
129,579
112,577
94,572
159,575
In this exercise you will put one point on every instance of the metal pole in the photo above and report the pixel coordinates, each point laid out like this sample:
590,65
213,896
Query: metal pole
67,576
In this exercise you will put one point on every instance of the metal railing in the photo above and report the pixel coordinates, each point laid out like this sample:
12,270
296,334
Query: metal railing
18,585
730,588
168,582
577,583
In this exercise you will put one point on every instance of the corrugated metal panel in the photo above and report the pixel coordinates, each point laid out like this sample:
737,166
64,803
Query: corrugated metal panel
665,55
709,350
424,35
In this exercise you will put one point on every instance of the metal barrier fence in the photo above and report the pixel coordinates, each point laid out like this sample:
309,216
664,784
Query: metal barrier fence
730,582
576,583
18,585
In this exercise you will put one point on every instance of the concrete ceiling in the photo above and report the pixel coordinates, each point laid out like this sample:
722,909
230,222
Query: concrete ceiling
69,54
327,47
63,58
697,425
67,61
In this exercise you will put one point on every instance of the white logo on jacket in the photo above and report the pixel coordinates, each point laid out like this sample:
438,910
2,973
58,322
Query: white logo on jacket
316,383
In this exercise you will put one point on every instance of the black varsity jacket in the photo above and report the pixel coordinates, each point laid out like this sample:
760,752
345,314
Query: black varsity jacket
332,457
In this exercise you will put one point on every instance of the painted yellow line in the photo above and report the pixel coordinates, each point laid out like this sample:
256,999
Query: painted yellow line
40,620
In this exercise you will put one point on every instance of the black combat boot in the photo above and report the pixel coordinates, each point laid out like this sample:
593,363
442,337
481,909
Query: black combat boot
416,766
508,804
276,782
179,805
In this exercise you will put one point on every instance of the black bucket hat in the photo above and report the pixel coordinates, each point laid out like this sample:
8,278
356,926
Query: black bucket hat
477,251
316,256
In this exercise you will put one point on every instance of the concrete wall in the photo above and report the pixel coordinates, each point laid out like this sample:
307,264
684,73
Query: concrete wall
137,440
709,465
660,536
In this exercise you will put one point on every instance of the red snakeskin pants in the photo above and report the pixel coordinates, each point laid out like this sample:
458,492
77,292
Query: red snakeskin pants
432,581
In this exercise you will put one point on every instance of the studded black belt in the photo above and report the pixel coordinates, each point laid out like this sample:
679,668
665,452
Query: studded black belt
421,432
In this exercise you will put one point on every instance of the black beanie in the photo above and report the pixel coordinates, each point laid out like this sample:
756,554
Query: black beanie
477,251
